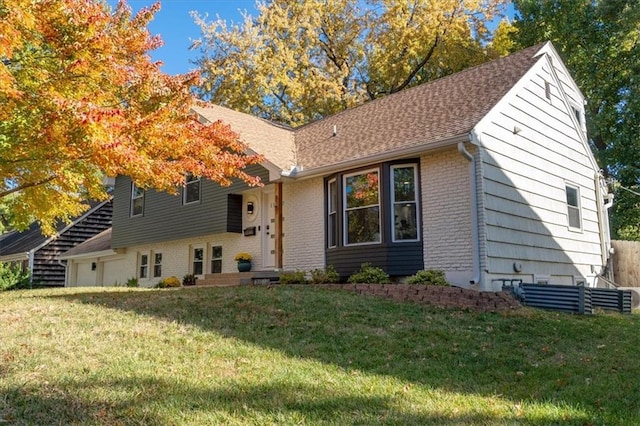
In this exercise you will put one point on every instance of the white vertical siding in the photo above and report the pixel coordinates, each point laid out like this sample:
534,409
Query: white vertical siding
532,148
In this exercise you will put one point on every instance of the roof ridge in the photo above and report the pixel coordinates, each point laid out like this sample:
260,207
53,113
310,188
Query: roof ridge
426,84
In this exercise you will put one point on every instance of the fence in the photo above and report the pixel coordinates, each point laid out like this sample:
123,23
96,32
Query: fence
575,299
626,263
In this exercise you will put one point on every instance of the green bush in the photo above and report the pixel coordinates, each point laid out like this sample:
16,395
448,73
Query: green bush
369,275
169,282
325,276
297,277
132,282
12,277
429,276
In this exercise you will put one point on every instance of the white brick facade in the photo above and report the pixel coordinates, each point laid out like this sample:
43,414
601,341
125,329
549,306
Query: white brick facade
446,215
303,225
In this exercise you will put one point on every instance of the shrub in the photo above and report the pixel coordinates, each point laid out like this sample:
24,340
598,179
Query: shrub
325,276
369,275
132,282
169,282
12,277
429,276
297,277
189,279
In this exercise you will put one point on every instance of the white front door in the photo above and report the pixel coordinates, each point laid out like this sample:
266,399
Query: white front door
268,228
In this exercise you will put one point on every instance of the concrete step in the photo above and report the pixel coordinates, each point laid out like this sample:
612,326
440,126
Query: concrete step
239,278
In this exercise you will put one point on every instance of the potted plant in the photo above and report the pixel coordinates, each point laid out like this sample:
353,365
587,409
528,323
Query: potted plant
189,279
244,261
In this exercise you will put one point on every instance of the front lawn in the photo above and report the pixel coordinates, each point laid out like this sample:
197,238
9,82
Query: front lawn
300,355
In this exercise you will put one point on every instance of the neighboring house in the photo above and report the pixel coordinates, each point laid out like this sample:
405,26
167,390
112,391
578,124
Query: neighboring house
39,253
485,174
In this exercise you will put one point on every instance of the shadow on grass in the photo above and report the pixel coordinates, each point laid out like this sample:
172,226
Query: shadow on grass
75,403
537,358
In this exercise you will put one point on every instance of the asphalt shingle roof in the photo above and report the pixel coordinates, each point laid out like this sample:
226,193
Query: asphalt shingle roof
415,117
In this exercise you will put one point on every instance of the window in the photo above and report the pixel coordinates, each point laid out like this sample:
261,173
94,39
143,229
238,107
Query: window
216,259
137,200
157,265
144,266
362,208
198,260
542,279
332,219
573,206
404,199
191,192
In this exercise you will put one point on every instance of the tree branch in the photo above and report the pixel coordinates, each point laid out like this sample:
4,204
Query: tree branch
27,185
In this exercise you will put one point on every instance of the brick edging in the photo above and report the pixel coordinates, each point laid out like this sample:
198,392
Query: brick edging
442,296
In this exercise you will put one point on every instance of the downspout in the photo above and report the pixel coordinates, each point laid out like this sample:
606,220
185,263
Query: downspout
66,272
603,214
475,229
32,255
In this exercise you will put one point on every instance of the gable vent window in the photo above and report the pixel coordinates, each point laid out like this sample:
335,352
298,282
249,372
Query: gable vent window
191,192
573,207
547,90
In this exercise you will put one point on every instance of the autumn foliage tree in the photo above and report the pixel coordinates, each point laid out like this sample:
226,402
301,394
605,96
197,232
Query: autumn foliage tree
300,60
81,99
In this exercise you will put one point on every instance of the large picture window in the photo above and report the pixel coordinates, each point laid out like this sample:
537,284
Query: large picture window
362,207
137,200
404,199
191,193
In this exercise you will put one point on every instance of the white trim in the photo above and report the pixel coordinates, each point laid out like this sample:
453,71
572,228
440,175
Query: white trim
334,212
568,185
89,255
416,201
188,182
541,279
133,199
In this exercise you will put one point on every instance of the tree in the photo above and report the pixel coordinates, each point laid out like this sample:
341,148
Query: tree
80,99
301,60
600,42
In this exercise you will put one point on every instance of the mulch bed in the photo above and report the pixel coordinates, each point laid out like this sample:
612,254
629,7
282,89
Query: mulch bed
445,297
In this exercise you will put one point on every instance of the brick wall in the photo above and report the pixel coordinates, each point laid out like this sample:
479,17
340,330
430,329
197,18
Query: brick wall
445,197
303,210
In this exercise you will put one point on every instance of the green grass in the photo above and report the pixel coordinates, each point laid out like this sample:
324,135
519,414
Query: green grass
300,355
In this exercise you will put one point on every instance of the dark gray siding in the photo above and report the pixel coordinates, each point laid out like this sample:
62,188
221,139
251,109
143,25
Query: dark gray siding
399,259
165,218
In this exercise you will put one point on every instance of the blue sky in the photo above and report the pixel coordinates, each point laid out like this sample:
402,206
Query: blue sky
174,23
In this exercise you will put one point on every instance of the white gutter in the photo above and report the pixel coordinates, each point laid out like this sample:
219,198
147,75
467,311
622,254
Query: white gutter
475,228
297,172
603,214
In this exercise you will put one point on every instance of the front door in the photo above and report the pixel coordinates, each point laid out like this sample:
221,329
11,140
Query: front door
268,229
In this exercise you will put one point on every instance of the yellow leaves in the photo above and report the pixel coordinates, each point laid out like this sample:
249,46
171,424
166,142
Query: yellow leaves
297,61
81,99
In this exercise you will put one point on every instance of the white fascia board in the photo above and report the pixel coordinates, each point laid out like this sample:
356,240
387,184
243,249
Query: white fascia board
89,255
418,149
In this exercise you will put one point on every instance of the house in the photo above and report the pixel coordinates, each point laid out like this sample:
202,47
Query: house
39,253
486,174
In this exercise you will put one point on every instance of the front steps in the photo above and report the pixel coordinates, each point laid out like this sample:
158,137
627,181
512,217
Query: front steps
239,278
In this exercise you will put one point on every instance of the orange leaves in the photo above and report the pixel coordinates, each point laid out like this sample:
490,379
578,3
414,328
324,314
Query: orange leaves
80,98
